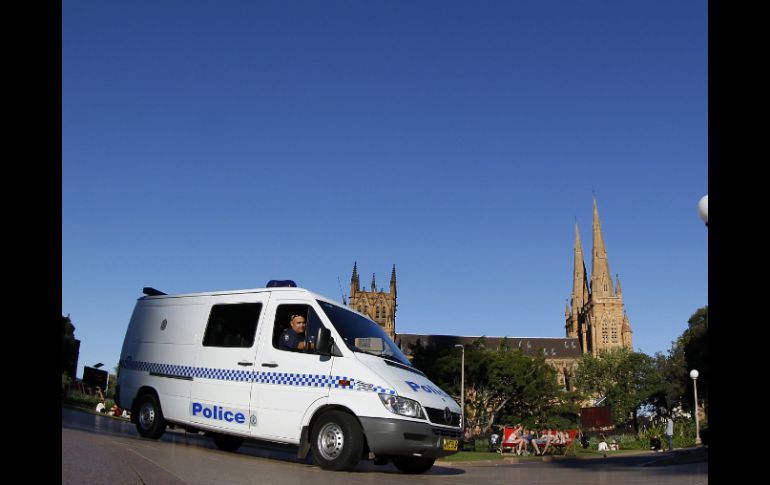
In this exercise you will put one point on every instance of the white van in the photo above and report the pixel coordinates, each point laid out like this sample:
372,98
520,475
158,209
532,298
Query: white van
211,361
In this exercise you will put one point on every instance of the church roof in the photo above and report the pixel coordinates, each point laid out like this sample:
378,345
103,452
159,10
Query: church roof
552,348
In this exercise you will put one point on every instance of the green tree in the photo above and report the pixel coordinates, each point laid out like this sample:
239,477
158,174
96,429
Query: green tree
497,382
694,343
672,370
112,382
627,379
68,348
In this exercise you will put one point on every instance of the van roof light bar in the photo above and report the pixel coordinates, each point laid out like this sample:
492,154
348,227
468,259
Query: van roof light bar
281,284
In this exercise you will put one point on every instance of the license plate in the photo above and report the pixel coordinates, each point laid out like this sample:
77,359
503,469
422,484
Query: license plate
449,445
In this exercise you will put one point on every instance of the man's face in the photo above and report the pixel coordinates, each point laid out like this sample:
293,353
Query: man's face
298,324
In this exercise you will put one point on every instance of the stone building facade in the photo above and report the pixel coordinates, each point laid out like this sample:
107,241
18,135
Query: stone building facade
380,306
596,315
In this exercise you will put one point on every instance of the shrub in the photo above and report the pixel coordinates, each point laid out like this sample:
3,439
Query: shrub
86,401
684,433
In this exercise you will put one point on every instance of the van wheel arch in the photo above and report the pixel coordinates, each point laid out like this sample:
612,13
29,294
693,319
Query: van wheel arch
336,438
147,413
335,407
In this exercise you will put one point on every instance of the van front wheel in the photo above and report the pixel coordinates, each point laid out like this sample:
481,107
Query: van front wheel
149,419
337,441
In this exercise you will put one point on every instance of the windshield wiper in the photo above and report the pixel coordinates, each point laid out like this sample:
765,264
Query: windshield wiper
391,358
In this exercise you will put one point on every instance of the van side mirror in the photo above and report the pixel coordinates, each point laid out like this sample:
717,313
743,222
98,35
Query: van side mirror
323,342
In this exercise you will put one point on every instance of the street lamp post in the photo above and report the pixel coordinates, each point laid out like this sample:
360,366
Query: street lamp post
703,209
694,376
462,387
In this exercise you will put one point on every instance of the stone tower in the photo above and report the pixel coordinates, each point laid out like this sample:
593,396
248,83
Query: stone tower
597,316
380,306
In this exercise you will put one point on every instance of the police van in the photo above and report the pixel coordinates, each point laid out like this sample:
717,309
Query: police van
212,361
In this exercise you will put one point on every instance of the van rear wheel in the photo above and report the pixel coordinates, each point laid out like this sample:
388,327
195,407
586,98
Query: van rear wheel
226,442
149,417
413,464
337,441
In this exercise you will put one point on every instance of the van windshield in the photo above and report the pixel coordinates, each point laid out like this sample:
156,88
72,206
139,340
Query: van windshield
363,335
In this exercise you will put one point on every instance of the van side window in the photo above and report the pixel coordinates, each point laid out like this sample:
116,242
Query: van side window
232,325
283,316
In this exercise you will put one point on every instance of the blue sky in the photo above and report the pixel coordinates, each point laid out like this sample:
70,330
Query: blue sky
218,145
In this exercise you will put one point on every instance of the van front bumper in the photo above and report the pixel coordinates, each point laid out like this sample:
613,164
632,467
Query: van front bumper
399,437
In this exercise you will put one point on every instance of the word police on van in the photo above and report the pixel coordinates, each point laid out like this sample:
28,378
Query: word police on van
221,362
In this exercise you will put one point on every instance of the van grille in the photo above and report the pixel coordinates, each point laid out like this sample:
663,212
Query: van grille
438,416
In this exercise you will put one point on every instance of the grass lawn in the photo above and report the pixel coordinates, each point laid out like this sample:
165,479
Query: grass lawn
593,453
485,455
473,456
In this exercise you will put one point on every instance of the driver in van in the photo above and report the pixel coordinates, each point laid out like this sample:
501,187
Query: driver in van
293,338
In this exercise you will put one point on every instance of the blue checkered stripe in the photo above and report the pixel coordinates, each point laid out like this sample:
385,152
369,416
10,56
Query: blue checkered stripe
276,378
168,369
382,390
223,374
303,380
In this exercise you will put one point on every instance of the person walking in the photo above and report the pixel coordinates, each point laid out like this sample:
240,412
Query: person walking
670,433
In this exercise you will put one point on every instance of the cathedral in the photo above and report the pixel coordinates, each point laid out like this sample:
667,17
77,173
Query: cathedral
377,305
595,316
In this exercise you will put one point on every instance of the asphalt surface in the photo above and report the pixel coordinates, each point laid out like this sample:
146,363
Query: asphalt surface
102,449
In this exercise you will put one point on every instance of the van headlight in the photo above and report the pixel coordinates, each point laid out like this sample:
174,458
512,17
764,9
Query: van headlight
401,405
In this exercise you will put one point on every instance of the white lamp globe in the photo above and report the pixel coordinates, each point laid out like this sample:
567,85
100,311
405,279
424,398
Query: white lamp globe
703,208
694,374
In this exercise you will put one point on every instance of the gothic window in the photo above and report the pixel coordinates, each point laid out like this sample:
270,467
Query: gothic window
566,379
614,333
605,332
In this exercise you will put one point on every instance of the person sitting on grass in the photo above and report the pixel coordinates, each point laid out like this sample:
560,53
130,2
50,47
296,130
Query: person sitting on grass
655,443
603,443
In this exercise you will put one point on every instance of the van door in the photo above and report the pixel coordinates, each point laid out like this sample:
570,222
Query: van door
225,363
288,382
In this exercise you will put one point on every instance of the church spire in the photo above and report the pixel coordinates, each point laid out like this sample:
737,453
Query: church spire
579,287
374,286
579,277
393,280
601,280
354,284
618,291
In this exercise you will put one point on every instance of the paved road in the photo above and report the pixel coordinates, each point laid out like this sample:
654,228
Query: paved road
101,449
